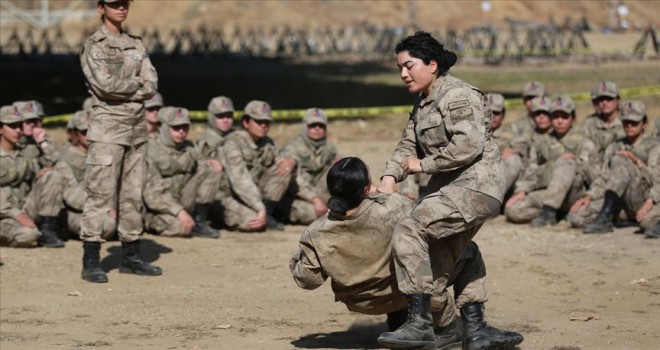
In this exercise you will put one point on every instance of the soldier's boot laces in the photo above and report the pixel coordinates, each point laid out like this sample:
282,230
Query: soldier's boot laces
202,228
449,337
547,217
480,336
609,210
417,331
271,222
132,263
654,232
48,227
91,271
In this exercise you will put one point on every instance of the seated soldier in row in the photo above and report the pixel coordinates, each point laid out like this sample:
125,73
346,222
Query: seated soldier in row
258,177
72,167
307,195
559,170
503,136
191,179
625,178
151,108
648,215
30,197
604,127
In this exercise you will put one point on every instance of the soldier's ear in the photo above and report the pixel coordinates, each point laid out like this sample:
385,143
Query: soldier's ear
433,66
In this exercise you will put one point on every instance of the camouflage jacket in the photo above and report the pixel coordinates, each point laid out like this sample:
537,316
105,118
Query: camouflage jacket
600,133
245,162
47,157
17,173
355,252
449,131
523,126
120,77
209,142
503,137
72,167
175,165
312,164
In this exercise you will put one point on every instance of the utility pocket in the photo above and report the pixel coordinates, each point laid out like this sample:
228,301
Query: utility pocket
431,130
101,177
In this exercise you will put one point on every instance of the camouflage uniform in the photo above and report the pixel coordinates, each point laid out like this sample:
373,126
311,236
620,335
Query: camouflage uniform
503,136
45,156
212,139
622,176
72,166
120,76
251,169
550,180
449,131
20,193
184,173
362,278
597,130
525,126
313,160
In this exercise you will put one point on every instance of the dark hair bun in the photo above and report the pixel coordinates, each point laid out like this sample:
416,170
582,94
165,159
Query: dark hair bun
449,59
338,205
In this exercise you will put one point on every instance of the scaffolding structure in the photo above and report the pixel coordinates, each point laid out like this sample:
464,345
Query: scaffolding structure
44,14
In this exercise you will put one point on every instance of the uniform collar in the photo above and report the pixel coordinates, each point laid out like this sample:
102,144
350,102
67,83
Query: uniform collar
434,91
4,153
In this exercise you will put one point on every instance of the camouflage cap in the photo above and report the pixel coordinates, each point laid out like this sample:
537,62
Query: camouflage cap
258,110
173,116
496,102
88,103
111,1
533,89
155,101
540,104
220,105
30,109
562,103
633,110
80,120
607,89
315,116
10,114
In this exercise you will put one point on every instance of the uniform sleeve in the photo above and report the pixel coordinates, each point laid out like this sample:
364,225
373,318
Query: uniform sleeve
527,181
157,196
239,176
50,155
148,76
6,208
305,265
652,170
74,194
105,85
588,160
404,149
465,125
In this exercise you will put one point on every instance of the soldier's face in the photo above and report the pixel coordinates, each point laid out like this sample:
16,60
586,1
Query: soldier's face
607,105
497,120
316,131
561,122
224,121
527,101
11,133
632,128
151,115
115,12
178,133
417,75
29,125
542,120
257,128
82,138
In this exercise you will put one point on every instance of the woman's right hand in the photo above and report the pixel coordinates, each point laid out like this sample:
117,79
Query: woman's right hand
258,222
583,202
517,197
387,185
25,220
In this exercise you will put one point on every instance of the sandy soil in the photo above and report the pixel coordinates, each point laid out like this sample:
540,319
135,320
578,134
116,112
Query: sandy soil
560,288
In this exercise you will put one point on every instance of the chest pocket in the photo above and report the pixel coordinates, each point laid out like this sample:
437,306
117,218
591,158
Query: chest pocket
430,131
133,63
114,60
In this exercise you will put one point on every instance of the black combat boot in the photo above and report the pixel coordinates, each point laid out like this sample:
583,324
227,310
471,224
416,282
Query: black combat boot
610,209
271,222
547,217
449,337
202,229
417,331
654,232
480,336
91,263
48,227
132,263
396,319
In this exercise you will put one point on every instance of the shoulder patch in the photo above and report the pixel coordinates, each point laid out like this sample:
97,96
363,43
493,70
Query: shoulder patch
461,113
457,104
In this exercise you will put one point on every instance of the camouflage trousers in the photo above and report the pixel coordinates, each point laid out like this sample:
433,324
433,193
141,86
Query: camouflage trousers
297,210
44,200
428,244
513,167
236,215
651,218
566,186
626,180
73,219
115,177
202,188
415,186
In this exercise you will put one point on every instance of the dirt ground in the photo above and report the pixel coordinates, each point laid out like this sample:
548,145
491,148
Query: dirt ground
559,288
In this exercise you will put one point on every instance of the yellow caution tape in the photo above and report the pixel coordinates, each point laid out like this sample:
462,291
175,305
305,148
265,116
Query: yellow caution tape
360,112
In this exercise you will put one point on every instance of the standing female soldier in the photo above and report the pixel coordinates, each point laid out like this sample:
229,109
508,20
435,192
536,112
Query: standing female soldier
447,136
120,77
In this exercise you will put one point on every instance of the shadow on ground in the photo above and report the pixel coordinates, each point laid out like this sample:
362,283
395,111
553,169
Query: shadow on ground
360,336
150,251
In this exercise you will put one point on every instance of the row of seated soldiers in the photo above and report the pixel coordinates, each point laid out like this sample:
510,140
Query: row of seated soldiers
593,175
602,174
236,177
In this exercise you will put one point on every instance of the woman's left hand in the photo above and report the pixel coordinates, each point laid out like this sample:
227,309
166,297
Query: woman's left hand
412,165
